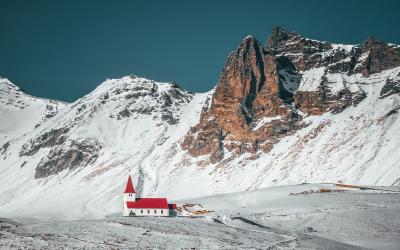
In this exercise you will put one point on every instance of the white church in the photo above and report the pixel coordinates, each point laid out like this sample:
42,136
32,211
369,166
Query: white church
134,206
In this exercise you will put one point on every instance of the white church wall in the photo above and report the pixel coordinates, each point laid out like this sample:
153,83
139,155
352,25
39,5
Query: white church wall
129,197
150,212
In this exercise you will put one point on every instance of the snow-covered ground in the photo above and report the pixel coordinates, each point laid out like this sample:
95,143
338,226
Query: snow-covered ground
307,216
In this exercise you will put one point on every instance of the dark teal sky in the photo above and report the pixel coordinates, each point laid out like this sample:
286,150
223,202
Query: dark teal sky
64,49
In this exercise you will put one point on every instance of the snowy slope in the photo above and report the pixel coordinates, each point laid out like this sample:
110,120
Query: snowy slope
74,164
21,113
285,217
121,122
348,215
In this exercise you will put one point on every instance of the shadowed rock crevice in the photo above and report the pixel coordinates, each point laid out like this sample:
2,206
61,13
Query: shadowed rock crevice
289,79
4,148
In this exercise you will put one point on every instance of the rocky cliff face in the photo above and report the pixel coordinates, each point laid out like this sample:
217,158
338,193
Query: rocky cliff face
249,91
377,56
264,91
391,87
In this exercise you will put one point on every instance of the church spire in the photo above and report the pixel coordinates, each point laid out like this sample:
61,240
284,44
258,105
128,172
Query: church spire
129,186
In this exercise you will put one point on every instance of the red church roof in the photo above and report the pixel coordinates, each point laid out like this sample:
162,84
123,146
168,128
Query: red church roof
159,203
129,186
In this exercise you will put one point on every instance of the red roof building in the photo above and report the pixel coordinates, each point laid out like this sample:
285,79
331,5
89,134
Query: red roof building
134,206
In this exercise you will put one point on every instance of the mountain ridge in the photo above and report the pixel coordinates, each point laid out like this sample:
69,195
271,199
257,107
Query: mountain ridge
268,81
299,111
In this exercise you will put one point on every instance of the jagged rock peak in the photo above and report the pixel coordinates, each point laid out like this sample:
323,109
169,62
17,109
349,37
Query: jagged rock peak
249,39
371,40
249,90
249,42
279,35
377,56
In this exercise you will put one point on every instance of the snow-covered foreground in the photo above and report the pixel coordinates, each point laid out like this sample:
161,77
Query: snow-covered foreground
308,216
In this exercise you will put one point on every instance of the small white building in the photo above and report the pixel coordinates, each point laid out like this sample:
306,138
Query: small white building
145,206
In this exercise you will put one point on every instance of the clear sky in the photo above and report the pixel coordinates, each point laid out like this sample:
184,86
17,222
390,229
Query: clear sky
64,49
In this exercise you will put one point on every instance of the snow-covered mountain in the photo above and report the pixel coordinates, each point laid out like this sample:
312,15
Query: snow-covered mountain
295,110
22,113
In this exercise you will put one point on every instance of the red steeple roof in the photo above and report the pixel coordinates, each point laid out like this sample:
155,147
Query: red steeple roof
129,186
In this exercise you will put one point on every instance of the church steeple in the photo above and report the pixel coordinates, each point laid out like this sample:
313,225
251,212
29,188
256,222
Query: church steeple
129,186
129,194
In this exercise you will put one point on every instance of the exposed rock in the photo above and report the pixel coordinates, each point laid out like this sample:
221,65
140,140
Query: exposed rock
278,36
371,57
81,108
23,164
249,90
258,96
306,53
169,117
289,78
124,113
323,100
51,110
392,112
3,149
392,86
357,97
204,139
70,156
377,56
48,139
146,98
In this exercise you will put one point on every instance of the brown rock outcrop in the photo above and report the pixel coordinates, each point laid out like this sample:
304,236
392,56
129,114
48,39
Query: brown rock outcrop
256,101
306,53
248,91
377,56
322,100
